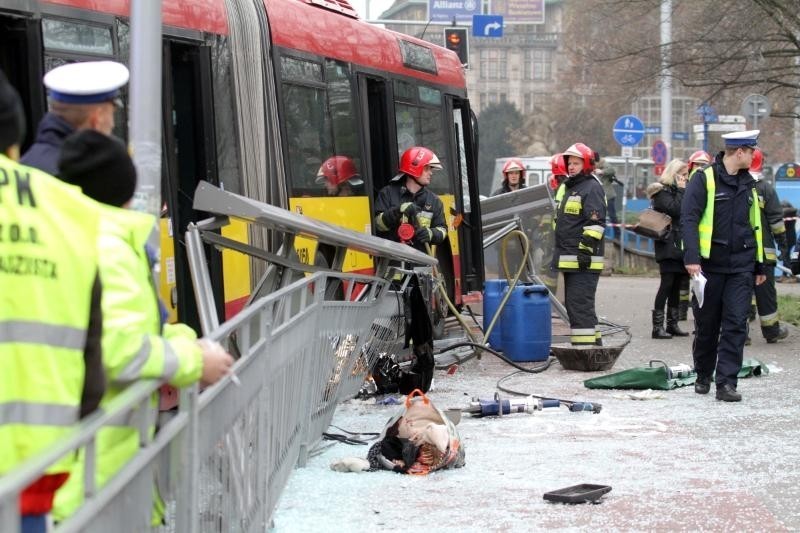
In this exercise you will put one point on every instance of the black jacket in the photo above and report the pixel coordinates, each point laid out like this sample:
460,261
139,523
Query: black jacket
427,203
773,230
586,191
46,149
667,199
733,242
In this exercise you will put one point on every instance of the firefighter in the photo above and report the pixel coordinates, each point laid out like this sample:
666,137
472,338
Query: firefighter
81,96
339,175
558,171
720,217
579,226
51,371
513,177
407,199
697,160
773,237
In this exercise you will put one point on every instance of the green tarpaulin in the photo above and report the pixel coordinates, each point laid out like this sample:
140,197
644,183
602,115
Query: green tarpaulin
659,377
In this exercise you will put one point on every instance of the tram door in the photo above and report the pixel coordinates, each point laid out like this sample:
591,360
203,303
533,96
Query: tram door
381,160
188,156
21,61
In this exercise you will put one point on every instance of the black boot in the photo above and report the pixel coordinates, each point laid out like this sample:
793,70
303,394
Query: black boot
658,325
672,323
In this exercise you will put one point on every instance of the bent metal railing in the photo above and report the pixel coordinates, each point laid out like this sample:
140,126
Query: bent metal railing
221,462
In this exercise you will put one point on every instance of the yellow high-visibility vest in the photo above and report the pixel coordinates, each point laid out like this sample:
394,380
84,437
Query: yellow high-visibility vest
48,264
706,225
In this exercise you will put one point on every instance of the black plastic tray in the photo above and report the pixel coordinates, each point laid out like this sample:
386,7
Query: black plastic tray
582,493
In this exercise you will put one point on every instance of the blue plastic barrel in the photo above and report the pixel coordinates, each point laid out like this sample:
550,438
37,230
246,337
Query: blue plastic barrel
527,327
493,290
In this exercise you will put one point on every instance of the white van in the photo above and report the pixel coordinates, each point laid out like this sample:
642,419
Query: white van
537,170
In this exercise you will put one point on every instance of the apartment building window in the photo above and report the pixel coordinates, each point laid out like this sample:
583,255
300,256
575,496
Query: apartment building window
493,64
538,64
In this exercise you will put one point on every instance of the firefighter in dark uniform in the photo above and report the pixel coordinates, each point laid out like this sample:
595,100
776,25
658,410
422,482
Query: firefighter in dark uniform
773,236
696,161
579,226
406,199
513,177
721,220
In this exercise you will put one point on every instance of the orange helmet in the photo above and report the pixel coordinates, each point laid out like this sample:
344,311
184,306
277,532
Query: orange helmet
514,164
582,151
758,161
415,159
337,169
557,166
698,158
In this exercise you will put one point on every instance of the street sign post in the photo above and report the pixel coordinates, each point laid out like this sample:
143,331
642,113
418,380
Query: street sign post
628,132
709,115
659,153
756,107
487,26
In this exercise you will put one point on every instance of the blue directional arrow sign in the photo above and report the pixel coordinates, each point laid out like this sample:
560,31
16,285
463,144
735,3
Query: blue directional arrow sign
628,130
487,26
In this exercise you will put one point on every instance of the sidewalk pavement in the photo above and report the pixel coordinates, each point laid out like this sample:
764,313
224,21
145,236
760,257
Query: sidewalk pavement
681,462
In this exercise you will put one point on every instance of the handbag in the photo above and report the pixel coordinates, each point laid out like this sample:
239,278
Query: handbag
653,224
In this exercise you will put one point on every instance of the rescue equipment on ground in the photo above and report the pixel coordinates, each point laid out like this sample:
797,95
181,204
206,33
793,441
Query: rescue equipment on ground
419,439
527,404
657,376
585,492
588,357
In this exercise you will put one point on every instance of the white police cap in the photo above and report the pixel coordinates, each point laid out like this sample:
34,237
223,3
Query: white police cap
89,82
742,138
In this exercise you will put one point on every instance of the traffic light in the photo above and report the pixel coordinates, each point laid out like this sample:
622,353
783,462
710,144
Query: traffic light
455,39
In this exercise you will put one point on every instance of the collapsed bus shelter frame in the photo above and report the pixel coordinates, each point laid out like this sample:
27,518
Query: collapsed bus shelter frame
221,462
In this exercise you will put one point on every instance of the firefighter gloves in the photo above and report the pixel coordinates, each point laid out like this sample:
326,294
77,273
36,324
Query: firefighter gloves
423,235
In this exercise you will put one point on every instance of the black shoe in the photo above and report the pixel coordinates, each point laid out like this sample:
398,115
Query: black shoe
672,323
727,393
702,385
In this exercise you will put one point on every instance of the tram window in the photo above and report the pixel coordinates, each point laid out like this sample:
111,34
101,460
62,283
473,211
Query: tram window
430,96
422,126
320,124
297,69
77,37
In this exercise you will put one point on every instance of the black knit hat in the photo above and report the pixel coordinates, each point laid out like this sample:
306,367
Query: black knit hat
100,165
12,117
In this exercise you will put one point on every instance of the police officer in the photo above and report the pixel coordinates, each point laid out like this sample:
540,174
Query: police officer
82,96
513,177
136,344
773,237
579,226
721,220
406,199
51,370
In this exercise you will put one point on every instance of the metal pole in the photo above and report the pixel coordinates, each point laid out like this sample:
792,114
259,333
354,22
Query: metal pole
622,218
145,108
666,80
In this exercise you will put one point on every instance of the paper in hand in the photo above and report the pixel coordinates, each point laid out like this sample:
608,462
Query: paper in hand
698,287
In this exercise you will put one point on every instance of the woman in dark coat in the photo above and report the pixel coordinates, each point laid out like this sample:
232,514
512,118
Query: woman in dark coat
666,195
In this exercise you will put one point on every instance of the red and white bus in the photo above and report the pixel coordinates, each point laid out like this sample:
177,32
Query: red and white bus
256,96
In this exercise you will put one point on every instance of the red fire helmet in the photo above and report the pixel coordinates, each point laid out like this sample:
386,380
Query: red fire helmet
337,169
698,158
557,166
758,161
582,151
514,164
415,159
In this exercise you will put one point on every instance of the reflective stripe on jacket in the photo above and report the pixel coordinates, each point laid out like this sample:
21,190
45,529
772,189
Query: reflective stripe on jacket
48,264
134,346
579,220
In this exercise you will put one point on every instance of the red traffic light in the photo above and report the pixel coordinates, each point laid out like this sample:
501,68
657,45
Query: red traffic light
455,39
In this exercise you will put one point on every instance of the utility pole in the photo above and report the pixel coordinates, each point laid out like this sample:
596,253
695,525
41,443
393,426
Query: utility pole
145,115
665,78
